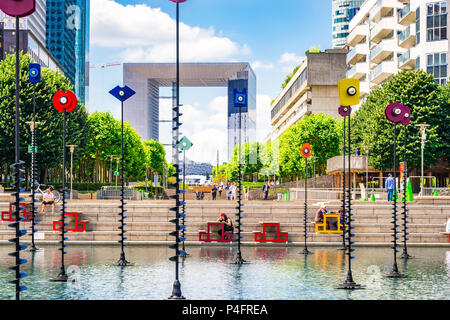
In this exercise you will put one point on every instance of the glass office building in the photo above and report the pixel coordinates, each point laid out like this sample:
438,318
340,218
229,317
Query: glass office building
343,12
68,40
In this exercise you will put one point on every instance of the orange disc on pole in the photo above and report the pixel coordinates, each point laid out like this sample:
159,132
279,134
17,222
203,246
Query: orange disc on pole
306,150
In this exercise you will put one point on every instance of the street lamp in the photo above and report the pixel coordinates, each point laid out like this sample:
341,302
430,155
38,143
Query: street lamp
72,150
117,168
110,169
423,134
366,149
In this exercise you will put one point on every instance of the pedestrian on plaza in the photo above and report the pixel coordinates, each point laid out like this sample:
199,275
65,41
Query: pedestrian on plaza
358,152
233,191
214,191
389,186
265,189
220,189
48,199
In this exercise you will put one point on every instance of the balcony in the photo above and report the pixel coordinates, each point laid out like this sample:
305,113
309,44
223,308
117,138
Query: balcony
382,9
382,72
359,70
383,29
358,53
406,61
406,16
407,39
358,34
364,88
382,50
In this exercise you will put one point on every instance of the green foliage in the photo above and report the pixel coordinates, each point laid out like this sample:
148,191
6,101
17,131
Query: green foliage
289,77
321,132
49,131
428,103
156,156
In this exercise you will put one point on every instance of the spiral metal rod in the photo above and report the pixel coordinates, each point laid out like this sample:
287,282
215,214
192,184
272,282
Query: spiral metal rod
395,273
305,212
34,183
344,215
405,254
17,186
122,261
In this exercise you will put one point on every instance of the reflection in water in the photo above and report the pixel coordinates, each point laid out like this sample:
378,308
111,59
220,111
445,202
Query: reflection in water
274,273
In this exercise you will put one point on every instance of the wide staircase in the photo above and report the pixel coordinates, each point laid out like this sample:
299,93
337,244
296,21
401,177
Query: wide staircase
147,221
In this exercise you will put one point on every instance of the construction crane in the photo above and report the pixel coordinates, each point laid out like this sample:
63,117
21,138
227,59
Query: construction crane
106,65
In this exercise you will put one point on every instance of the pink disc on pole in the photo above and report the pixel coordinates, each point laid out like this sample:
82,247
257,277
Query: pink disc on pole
18,8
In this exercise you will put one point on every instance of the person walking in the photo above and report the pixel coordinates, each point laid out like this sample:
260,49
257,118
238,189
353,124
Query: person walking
220,189
233,191
390,185
265,189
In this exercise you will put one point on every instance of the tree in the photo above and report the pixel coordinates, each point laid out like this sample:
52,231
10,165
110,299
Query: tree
320,131
417,90
156,156
49,131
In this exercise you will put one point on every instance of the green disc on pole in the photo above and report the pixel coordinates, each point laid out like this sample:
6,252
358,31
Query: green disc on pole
32,150
185,144
116,173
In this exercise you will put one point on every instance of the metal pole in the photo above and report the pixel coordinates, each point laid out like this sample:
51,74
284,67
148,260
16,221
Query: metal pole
344,191
405,254
62,276
395,273
176,290
17,171
71,172
33,173
305,214
122,261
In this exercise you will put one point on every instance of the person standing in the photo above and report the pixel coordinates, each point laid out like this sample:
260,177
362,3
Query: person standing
220,189
214,191
233,191
265,189
390,185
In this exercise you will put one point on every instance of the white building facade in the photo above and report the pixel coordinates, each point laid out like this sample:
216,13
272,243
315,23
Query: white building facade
387,36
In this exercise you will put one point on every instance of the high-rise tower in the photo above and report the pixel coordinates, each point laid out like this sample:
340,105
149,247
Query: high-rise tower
342,12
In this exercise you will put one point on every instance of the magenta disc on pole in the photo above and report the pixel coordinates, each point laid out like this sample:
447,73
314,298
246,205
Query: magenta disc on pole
18,8
178,1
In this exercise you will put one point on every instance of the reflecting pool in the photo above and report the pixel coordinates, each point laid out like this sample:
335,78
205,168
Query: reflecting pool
208,274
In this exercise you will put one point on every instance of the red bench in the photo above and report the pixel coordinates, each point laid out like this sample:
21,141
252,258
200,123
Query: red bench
271,233
8,215
79,226
213,236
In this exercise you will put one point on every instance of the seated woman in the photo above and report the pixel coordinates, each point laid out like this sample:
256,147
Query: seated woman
228,224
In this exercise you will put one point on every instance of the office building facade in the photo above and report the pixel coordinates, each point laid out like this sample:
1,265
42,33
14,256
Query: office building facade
387,36
67,38
32,37
312,89
342,13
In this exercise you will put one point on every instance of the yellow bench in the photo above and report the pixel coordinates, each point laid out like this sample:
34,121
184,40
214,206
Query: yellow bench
331,224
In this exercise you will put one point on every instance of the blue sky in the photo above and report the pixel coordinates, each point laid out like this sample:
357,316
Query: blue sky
271,35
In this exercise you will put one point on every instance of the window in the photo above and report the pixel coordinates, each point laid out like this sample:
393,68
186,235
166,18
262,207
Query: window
437,66
418,25
436,21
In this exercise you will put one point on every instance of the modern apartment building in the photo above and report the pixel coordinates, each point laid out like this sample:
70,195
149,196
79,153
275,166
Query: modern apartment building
67,36
32,36
342,12
387,36
312,89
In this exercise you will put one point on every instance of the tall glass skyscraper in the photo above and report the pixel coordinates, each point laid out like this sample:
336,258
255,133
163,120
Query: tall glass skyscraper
343,12
68,40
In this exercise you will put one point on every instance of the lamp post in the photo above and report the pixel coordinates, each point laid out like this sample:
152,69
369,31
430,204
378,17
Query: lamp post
314,169
117,168
122,94
110,169
423,139
366,149
176,290
72,150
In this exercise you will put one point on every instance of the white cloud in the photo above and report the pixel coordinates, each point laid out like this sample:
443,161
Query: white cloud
290,58
148,34
258,65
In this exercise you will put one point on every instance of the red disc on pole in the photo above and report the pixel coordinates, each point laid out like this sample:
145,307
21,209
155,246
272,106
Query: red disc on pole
306,150
65,101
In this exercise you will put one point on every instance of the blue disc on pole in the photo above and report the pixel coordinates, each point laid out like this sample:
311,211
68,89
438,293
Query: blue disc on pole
122,93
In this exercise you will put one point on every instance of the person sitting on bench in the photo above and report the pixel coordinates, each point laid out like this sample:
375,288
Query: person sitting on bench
48,199
320,213
228,224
